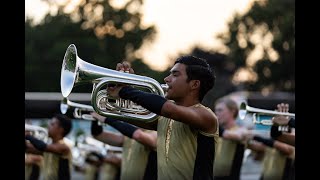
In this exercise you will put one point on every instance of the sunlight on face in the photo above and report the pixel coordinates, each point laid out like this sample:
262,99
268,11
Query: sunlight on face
177,82
219,109
223,113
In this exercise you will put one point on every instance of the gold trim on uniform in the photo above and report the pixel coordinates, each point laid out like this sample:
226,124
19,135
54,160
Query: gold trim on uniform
129,150
168,136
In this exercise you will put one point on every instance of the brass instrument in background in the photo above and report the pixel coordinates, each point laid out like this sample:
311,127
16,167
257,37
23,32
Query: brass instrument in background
78,109
86,145
75,71
260,116
37,131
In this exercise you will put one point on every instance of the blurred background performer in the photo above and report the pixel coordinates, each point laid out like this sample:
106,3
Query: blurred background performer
230,147
278,159
280,120
139,147
57,155
93,161
285,137
33,162
111,166
33,166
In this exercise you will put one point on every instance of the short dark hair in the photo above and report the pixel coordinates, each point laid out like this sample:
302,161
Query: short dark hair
198,69
65,122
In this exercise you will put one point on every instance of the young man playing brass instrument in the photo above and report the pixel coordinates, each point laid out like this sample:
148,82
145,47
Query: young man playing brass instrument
187,130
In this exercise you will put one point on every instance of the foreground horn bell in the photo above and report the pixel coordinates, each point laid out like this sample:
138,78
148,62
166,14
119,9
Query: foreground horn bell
76,71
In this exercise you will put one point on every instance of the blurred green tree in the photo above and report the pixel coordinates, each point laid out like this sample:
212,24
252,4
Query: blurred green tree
261,43
103,34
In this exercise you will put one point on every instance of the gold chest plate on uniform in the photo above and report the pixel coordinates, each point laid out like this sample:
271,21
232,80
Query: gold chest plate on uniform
224,156
273,164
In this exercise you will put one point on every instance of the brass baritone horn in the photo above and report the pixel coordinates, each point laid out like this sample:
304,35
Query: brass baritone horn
245,110
75,71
